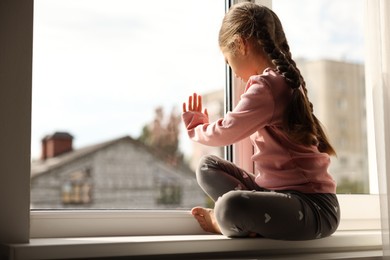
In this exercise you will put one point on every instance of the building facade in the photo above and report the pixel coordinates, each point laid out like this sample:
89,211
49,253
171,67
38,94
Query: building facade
337,90
117,174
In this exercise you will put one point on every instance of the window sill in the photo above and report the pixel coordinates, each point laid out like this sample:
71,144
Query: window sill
341,245
113,223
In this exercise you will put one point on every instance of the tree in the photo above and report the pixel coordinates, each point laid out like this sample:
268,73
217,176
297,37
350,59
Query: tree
163,134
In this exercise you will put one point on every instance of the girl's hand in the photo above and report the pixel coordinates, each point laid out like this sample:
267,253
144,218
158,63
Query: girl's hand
195,104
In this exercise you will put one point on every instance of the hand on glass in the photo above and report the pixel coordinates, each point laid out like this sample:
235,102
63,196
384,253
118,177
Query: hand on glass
195,104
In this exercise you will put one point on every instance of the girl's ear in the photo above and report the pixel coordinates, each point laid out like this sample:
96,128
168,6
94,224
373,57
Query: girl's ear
241,45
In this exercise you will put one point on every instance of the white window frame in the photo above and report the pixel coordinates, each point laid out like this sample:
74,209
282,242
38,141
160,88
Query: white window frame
15,111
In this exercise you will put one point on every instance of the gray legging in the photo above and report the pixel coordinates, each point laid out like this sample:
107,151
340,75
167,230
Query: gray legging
242,207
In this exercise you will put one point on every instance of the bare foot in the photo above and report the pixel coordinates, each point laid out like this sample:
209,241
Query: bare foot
206,219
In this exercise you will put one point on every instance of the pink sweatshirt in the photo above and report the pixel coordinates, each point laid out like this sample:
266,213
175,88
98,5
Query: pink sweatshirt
280,163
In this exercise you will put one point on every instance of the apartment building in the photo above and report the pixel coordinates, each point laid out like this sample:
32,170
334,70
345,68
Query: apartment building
337,90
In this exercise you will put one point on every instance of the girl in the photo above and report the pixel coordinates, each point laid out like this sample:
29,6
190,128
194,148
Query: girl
292,196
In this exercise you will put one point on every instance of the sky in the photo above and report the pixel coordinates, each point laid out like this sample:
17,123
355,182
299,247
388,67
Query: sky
318,29
101,67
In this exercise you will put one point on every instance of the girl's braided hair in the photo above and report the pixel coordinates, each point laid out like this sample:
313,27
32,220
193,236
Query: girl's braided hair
263,29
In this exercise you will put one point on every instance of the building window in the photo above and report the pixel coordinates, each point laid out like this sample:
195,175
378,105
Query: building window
169,194
342,104
77,188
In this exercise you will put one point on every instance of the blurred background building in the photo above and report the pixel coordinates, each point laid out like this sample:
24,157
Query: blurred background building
214,102
122,173
337,90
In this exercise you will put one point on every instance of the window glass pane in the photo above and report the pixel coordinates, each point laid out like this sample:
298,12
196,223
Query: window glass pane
326,40
109,78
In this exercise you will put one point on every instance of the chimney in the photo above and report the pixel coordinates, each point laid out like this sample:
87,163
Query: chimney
56,144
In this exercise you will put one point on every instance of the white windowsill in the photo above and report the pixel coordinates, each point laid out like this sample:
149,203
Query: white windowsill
341,245
176,235
113,223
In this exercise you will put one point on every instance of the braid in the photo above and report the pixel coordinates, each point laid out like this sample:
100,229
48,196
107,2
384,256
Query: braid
261,26
278,58
299,117
323,143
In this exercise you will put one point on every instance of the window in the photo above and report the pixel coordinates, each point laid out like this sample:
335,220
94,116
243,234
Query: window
77,188
318,69
109,78
15,134
170,194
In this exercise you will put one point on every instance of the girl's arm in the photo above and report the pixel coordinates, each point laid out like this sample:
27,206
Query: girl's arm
254,111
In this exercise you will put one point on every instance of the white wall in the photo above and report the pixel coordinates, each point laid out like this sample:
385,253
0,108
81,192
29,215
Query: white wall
16,18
